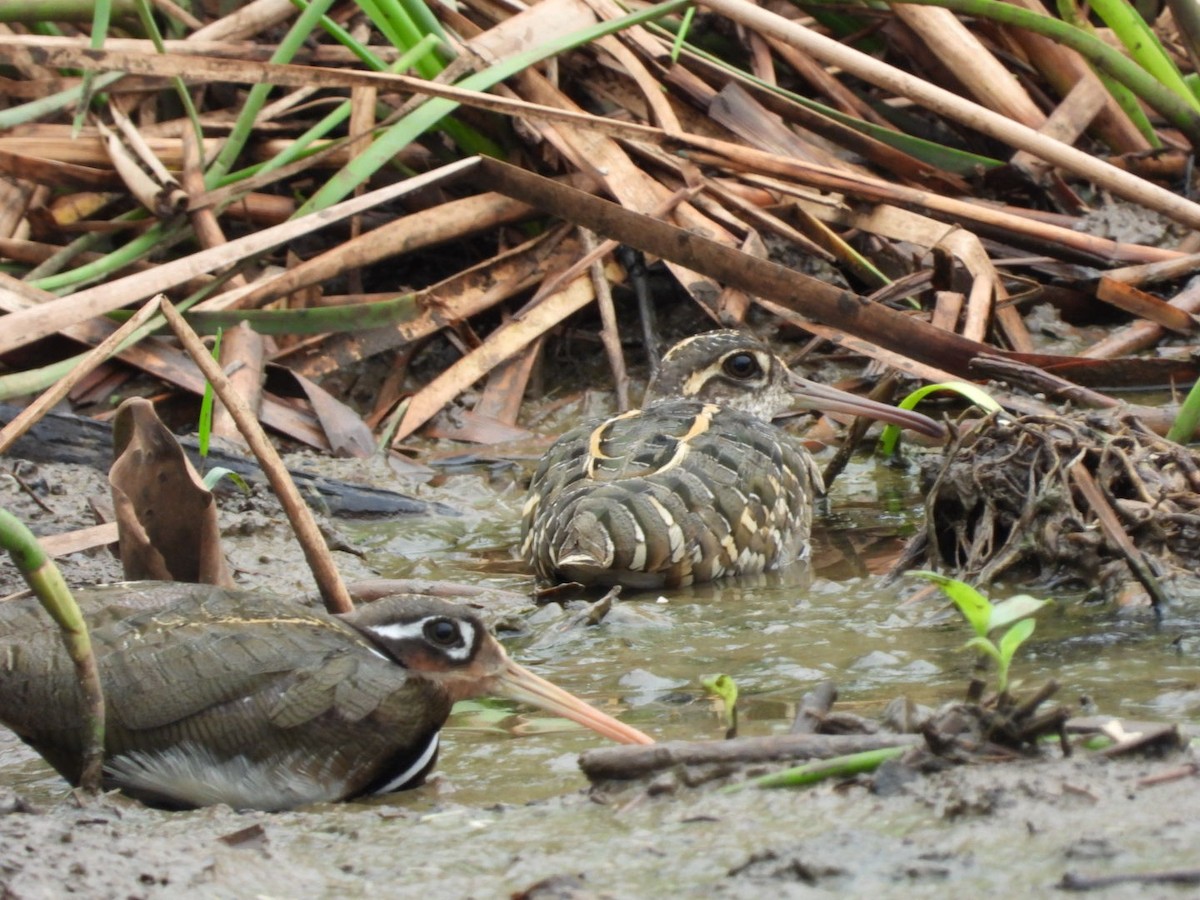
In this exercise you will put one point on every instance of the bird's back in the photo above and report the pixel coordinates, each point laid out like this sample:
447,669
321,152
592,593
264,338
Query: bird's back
682,491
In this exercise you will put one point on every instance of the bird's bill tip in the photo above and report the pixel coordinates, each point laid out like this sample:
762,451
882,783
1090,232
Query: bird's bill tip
824,398
518,683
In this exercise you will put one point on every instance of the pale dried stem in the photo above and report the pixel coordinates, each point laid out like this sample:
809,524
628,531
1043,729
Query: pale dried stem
329,580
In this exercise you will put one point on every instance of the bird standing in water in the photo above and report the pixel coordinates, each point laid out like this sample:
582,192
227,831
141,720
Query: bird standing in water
694,486
218,696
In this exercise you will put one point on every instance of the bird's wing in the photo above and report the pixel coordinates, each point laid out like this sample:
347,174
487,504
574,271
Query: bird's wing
170,662
288,664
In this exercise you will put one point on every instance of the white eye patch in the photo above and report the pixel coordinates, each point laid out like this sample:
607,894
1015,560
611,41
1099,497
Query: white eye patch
398,632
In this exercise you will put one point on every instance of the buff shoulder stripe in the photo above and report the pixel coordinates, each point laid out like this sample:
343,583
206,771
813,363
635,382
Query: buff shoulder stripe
596,453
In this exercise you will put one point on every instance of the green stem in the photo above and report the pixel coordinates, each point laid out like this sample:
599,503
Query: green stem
1070,13
44,578
1143,45
158,237
820,769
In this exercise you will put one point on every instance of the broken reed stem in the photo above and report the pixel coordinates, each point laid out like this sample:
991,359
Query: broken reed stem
329,581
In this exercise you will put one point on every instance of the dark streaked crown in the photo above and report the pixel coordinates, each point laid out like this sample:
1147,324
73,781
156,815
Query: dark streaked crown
728,368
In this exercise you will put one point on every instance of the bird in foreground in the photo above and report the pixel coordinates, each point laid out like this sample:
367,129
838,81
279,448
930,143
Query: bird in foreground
219,696
698,484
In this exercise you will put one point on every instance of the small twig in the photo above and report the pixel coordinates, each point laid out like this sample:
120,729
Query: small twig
1188,770
610,335
814,707
329,581
632,762
1113,530
1072,882
1027,706
634,263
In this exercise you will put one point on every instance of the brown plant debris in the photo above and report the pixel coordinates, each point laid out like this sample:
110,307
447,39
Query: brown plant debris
1064,499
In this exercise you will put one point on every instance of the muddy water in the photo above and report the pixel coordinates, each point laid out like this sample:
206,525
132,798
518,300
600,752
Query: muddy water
505,810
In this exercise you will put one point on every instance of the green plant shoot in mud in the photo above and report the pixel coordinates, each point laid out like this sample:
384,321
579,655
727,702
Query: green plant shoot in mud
204,432
1011,615
204,427
726,690
46,582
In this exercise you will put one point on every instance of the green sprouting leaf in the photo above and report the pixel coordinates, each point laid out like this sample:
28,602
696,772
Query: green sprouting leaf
977,395
1187,418
973,605
1014,608
1014,638
721,685
984,645
213,477
725,687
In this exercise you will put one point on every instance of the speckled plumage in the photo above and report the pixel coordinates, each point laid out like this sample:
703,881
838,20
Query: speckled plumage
696,485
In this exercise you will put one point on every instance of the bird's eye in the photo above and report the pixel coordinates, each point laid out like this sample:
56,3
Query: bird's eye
741,365
443,632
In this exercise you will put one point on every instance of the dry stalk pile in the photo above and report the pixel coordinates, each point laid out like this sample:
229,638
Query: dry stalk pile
1008,500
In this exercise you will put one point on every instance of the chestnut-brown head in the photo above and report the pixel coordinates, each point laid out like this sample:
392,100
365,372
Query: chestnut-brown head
448,645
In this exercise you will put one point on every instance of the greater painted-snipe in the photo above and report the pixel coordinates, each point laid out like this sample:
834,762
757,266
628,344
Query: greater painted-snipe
698,484
217,696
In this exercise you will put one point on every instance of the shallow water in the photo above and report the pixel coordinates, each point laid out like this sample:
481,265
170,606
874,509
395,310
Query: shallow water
776,635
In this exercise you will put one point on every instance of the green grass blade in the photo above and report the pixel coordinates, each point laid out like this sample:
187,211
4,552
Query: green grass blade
204,428
819,770
46,107
317,320
300,32
949,159
432,111
977,395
